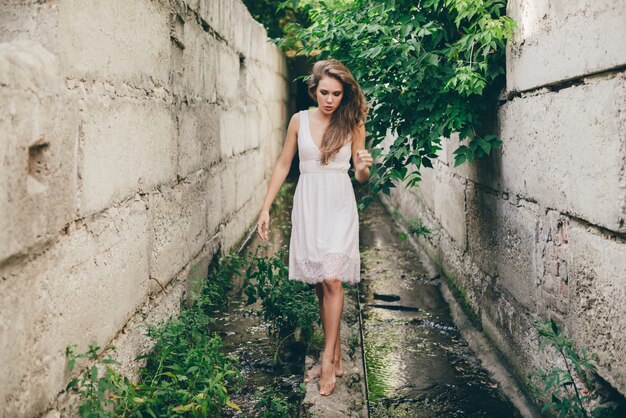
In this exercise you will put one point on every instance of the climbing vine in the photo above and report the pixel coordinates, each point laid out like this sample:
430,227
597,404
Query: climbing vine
429,68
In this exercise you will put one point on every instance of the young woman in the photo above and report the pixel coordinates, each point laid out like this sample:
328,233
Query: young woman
324,243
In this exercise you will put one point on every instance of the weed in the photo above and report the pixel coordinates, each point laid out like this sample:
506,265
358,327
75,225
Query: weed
186,373
570,390
289,305
417,228
272,404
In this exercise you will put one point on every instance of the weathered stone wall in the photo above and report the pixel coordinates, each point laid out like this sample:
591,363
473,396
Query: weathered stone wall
538,228
136,140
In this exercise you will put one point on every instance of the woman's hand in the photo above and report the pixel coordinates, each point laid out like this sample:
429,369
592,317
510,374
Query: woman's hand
262,225
364,159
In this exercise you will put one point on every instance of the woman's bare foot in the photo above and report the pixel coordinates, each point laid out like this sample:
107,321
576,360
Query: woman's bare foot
327,377
338,368
312,373
315,371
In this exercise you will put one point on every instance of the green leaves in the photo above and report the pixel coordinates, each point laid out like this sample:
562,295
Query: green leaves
186,372
429,69
289,305
568,387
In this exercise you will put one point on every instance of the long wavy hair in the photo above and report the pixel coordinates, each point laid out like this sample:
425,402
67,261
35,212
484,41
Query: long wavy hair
351,110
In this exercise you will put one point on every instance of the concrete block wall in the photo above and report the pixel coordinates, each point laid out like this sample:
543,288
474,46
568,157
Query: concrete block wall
136,141
538,229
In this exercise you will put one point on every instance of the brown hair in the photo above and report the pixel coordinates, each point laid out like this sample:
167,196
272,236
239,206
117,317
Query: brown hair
351,110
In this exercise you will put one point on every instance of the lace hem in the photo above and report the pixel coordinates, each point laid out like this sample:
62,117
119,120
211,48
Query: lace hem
333,266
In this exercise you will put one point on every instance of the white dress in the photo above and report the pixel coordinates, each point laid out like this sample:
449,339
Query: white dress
324,241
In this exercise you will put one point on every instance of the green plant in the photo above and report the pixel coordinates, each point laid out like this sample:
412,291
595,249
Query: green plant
186,372
92,388
417,228
568,389
289,305
429,69
272,404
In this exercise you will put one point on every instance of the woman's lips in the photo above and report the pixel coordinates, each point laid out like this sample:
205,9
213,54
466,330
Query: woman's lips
328,107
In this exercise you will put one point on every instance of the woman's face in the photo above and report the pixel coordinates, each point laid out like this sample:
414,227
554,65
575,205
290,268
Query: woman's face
329,94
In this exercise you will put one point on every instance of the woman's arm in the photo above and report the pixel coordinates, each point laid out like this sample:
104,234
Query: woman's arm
279,174
361,158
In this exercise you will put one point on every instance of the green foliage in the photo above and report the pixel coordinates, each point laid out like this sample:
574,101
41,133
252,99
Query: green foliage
275,14
186,373
569,390
92,388
429,69
417,228
289,305
272,404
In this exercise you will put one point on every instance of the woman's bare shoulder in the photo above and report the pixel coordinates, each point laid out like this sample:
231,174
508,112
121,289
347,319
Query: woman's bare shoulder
294,122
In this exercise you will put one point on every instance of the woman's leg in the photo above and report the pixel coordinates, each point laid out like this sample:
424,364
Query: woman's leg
333,307
315,371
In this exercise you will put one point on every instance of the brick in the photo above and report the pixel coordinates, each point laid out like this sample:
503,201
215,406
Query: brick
126,148
502,241
178,216
198,137
561,40
450,208
81,290
227,81
570,157
199,64
38,137
231,136
214,201
597,268
131,41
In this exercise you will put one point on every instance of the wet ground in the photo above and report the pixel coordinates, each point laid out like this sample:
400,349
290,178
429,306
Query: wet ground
245,333
417,362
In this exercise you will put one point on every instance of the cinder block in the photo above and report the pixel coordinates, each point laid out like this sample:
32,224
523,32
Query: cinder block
198,137
38,137
502,241
227,82
131,40
597,268
81,290
178,215
126,148
561,40
214,201
427,186
114,40
228,175
249,168
513,333
236,228
200,69
232,131
245,29
568,157
450,207
256,126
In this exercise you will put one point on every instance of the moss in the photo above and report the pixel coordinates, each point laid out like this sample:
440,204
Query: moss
460,294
